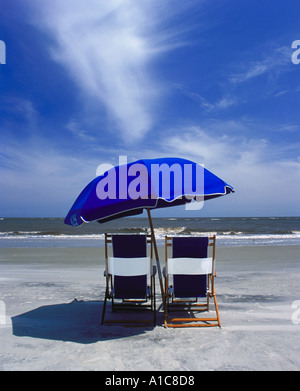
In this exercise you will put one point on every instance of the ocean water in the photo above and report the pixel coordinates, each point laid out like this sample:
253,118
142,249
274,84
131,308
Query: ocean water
247,231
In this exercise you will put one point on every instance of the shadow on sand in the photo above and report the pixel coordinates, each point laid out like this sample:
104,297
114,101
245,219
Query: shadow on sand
78,321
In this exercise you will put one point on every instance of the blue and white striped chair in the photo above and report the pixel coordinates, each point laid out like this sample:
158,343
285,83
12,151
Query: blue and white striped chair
189,276
130,275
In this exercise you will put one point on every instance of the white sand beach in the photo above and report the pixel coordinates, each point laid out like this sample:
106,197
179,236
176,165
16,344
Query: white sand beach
52,298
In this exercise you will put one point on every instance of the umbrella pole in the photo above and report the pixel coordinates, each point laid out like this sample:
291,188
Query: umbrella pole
157,259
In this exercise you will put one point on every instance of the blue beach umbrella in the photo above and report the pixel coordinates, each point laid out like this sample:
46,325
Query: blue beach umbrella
129,189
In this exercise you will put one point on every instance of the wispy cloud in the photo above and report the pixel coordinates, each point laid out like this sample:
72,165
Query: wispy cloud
288,127
39,179
208,146
21,109
254,71
223,103
274,60
76,129
109,48
260,173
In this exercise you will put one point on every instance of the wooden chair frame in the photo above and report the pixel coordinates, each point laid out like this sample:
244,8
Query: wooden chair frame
129,304
192,305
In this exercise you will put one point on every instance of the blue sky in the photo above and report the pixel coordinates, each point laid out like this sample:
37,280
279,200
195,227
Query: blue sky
87,81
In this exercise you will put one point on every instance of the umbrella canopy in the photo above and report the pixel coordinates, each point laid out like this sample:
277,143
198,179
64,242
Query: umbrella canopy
127,190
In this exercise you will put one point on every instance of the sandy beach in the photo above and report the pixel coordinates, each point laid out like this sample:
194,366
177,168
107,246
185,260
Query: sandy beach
52,298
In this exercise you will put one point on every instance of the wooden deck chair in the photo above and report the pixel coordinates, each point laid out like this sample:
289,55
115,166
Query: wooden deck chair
189,276
130,275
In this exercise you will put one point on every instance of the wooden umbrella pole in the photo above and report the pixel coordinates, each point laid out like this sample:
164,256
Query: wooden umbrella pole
157,259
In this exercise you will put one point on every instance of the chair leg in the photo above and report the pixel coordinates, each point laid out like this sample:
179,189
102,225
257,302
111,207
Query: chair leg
167,300
217,310
166,318
154,310
104,308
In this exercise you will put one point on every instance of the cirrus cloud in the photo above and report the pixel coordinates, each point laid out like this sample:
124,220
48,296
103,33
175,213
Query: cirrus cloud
109,48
